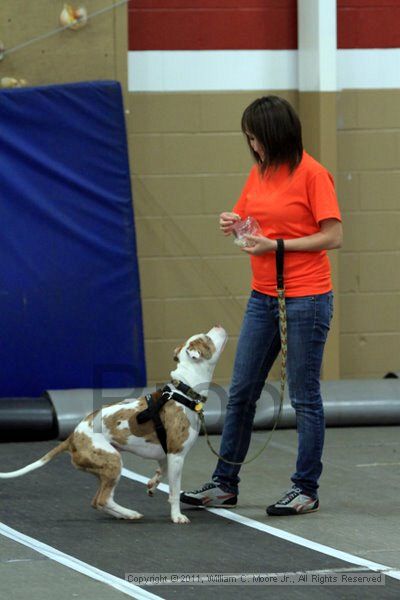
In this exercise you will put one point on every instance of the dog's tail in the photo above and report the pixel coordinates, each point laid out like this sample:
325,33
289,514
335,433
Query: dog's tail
63,447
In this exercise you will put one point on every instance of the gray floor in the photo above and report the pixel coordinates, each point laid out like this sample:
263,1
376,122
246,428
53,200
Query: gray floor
359,488
360,511
359,514
26,574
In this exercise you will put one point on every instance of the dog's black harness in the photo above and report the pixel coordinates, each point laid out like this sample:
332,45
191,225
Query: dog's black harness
155,402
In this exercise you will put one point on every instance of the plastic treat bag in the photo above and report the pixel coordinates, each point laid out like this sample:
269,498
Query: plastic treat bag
248,226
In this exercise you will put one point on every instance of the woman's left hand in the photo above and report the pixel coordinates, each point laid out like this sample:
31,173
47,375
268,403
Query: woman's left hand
259,245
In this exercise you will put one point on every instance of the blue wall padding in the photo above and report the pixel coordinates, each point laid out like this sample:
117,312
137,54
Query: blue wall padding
70,308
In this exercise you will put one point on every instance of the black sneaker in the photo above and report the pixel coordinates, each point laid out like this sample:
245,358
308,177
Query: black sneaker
294,502
211,496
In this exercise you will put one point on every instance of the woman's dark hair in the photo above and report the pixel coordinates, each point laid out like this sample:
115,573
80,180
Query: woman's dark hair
275,124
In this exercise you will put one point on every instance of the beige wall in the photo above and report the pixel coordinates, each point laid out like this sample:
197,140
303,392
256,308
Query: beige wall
189,162
96,52
194,163
369,186
317,111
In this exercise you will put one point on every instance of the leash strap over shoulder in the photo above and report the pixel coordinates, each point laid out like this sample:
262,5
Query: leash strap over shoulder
152,412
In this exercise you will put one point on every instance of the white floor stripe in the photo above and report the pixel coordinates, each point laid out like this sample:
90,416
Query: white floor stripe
384,464
284,535
71,562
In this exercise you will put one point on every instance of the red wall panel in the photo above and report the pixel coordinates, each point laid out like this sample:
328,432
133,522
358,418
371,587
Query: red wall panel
368,23
201,4
253,24
215,25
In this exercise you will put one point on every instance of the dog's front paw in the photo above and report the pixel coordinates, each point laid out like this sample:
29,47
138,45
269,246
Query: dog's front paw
180,518
151,488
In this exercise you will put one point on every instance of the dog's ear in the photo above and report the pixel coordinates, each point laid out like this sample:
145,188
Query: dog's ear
199,349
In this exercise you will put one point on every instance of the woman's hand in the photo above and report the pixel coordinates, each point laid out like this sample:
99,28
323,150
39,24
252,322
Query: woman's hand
259,245
227,221
328,237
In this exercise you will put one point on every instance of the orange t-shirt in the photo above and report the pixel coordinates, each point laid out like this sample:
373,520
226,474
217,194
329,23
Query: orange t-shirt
290,206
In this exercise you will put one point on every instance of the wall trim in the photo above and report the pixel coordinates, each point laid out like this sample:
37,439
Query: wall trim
240,70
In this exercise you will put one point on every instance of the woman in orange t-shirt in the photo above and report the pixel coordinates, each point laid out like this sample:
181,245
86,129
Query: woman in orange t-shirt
293,199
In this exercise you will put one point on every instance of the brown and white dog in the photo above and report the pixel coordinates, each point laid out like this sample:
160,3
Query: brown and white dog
95,443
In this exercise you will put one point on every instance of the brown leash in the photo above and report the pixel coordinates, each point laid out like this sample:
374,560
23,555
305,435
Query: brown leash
283,334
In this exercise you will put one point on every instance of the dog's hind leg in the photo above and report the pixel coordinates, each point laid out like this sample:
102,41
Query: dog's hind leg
154,481
109,474
106,464
106,503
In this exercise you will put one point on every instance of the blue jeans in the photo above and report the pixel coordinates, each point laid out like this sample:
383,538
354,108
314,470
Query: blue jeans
308,320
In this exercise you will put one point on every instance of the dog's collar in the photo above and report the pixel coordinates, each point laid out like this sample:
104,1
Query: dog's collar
181,395
188,391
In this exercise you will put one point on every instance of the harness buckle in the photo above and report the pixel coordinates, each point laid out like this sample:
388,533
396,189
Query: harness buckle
168,394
